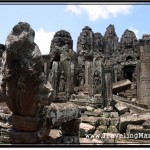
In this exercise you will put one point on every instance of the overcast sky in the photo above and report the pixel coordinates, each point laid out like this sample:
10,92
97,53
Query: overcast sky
48,19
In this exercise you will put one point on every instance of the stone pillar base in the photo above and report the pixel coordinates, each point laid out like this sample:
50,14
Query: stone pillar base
19,137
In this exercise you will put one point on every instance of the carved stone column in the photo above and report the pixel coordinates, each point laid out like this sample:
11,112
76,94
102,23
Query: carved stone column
108,80
25,86
88,74
143,76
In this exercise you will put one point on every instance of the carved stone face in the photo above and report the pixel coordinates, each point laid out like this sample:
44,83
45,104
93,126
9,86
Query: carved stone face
110,33
24,28
56,42
62,38
127,40
98,39
83,38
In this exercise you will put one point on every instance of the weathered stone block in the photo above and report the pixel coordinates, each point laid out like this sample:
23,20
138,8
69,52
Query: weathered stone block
82,108
89,108
146,124
86,129
112,129
121,108
71,128
133,129
104,121
108,109
91,120
114,115
98,132
25,123
106,114
61,112
131,119
121,86
98,112
113,103
23,137
54,135
137,132
102,129
114,121
88,113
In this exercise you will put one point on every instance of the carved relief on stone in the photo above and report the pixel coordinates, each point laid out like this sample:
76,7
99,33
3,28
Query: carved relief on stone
128,40
110,40
97,82
62,82
98,43
61,47
81,75
24,85
85,42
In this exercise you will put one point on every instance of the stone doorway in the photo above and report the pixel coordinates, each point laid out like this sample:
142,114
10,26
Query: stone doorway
128,72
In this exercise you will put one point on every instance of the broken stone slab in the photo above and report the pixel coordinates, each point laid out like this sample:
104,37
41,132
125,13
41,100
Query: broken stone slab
104,121
114,115
121,86
91,120
89,108
88,113
98,112
60,113
82,109
133,128
55,133
135,119
114,122
133,100
113,102
108,109
98,98
146,124
112,129
86,129
137,132
98,131
138,108
106,114
121,108
102,129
